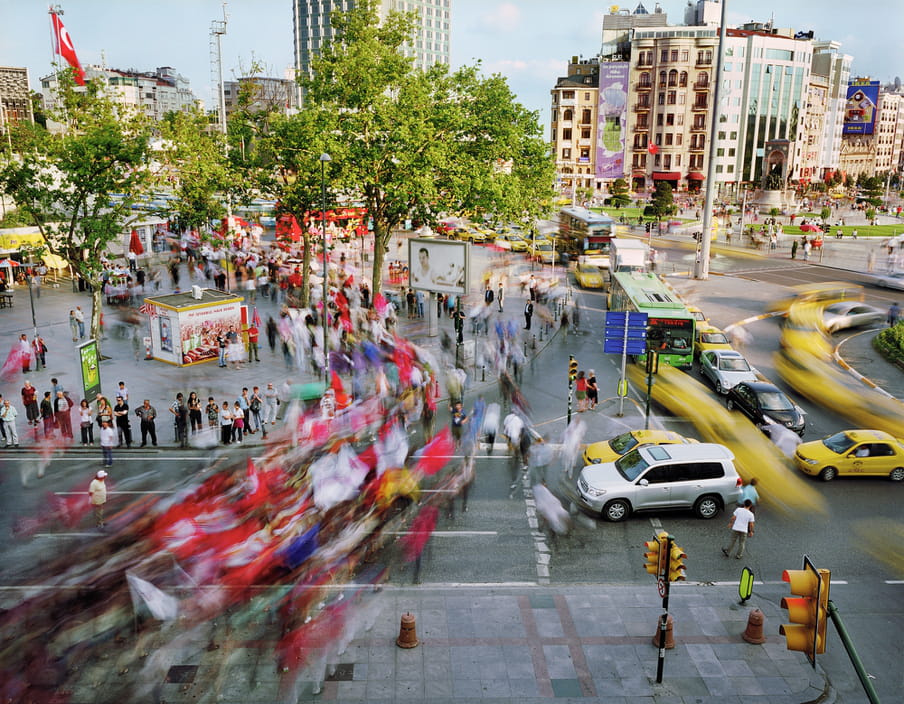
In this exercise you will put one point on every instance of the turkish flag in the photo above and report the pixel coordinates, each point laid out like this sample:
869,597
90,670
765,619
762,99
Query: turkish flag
62,45
653,148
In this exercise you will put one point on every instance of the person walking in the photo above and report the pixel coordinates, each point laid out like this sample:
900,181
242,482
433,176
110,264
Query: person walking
73,325
271,404
528,314
107,440
500,296
741,526
80,321
97,496
749,492
123,425
30,402
147,413
8,415
894,312
86,423
459,418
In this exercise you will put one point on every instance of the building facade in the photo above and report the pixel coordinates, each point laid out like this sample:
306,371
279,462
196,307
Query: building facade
573,124
15,97
312,28
265,94
875,150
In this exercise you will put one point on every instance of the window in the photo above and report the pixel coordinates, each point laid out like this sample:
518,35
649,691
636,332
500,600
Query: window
586,96
672,97
661,99
678,156
679,118
657,161
585,154
664,55
566,133
566,153
568,94
720,152
667,161
673,77
567,116
662,78
731,151
682,79
679,138
668,139
659,120
703,78
670,119
585,133
644,79
585,116
684,55
721,135
674,55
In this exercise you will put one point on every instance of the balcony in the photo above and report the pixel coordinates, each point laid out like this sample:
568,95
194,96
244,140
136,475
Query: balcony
585,142
567,102
704,62
646,85
698,128
640,127
641,107
566,124
697,148
699,107
644,61
702,85
639,147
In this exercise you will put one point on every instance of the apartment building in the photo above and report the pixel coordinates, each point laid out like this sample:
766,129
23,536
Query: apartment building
15,97
873,145
265,94
573,125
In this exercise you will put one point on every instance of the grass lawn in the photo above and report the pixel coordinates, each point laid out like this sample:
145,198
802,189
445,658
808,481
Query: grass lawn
880,231
630,212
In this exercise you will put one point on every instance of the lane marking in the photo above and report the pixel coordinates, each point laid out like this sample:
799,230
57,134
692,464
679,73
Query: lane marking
114,491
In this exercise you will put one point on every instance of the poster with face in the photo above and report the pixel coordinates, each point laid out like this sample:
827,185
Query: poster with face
166,333
199,328
439,265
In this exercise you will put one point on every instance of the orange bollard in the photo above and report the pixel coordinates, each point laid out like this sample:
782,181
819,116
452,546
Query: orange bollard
407,632
754,631
669,637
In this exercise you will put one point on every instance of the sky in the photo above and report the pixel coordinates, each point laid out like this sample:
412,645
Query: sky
528,41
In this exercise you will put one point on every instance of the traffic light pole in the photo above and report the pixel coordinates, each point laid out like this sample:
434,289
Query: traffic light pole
664,619
862,674
571,364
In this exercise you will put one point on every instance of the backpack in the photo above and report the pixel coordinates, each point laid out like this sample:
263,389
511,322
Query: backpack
255,405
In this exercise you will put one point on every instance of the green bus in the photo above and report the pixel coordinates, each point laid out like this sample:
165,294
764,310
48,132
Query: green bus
670,325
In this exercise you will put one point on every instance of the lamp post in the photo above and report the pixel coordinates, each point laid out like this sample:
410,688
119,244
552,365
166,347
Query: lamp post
324,158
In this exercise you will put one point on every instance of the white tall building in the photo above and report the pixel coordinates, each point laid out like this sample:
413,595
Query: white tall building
835,67
430,45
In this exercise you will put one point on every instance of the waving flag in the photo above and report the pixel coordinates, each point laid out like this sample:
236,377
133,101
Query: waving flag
62,45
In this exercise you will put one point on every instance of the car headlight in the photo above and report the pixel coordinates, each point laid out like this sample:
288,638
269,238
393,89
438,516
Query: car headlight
591,491
809,460
595,460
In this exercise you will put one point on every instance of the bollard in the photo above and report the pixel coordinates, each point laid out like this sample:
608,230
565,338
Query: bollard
533,342
669,636
483,372
407,632
754,631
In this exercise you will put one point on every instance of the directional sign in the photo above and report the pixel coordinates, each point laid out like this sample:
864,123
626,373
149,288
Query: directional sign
625,333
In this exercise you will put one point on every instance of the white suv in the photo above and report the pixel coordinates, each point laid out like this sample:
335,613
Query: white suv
700,476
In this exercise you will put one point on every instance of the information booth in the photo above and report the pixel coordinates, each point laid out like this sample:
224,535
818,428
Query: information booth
184,326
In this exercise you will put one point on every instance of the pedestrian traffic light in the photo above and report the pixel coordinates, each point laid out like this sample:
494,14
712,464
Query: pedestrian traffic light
655,553
649,226
676,566
572,368
807,611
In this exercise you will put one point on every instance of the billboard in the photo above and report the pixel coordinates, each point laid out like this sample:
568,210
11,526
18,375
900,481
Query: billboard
441,266
89,364
861,107
612,118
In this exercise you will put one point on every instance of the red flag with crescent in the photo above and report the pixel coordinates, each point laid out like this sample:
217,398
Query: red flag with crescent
62,45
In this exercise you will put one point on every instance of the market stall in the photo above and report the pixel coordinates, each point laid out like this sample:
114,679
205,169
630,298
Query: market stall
184,326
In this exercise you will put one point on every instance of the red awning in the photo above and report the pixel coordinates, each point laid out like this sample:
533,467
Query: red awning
695,176
666,175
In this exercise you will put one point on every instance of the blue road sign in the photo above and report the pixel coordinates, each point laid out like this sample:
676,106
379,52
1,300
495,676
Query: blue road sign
622,328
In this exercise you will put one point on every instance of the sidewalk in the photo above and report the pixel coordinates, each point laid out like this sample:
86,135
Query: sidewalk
503,644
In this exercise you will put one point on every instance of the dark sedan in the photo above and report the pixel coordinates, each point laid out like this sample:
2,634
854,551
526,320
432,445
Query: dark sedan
764,404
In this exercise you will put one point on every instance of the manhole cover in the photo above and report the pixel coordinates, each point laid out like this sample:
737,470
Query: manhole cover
345,672
182,674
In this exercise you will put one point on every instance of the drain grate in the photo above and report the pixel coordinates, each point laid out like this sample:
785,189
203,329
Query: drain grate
182,674
345,672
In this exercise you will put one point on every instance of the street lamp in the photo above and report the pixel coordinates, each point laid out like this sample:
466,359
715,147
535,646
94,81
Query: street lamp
324,158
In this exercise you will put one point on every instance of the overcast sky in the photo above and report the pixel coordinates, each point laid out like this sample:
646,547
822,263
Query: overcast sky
528,41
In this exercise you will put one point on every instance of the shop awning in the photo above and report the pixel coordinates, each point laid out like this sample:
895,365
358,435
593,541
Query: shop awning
638,174
666,175
695,176
55,261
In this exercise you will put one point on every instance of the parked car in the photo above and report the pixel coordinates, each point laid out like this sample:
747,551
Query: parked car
850,314
611,450
764,403
860,453
701,477
725,369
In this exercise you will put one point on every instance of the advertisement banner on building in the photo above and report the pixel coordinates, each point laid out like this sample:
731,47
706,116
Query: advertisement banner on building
612,118
861,107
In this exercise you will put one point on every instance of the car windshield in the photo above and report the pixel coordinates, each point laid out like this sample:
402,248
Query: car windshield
623,444
839,443
714,338
589,269
631,465
774,401
733,365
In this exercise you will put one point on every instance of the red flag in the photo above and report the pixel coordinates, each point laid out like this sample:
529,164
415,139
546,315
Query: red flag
135,243
256,318
435,454
62,45
653,148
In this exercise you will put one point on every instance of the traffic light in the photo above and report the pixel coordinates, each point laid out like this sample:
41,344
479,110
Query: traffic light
572,368
649,226
807,611
676,566
655,553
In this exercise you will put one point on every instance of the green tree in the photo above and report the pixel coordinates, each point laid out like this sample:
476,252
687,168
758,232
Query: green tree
618,193
420,144
66,183
870,215
824,215
662,204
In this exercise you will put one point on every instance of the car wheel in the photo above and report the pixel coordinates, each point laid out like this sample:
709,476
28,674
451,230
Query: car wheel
897,474
616,510
719,389
729,404
828,474
707,507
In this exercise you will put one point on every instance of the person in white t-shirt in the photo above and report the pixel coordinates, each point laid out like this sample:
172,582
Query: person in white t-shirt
741,526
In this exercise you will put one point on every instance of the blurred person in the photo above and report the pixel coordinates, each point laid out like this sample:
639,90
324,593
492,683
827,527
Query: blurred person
491,424
86,423
894,312
749,493
551,511
107,440
271,404
97,496
741,526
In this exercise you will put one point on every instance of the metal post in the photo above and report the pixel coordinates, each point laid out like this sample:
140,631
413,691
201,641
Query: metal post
862,674
31,299
324,158
624,362
664,621
570,388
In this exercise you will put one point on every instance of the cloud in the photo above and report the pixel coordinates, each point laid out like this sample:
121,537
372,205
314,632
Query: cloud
505,17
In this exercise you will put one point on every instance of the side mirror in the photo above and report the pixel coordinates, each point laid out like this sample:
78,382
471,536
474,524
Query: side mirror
643,482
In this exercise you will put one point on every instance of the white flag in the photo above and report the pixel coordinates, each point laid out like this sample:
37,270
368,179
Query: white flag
162,606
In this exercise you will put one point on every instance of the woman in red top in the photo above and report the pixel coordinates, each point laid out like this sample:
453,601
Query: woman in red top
581,389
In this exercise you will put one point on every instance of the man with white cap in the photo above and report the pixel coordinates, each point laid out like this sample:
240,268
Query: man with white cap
97,494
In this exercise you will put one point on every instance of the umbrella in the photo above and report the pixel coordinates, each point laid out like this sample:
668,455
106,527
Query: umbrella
135,243
8,263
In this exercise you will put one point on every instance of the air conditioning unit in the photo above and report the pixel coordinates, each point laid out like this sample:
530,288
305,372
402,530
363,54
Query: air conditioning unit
197,292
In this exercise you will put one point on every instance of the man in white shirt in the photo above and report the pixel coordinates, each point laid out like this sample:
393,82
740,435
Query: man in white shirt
741,526
97,495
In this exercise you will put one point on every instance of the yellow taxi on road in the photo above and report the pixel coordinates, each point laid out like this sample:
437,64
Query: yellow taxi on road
709,337
589,276
825,292
611,450
863,453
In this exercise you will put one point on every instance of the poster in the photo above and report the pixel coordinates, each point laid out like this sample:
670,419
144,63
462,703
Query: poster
199,327
166,333
89,363
612,116
439,265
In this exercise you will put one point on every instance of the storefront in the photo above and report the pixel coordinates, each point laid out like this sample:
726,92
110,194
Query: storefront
184,328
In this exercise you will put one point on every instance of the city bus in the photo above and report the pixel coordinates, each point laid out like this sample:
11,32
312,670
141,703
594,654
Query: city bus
670,325
583,232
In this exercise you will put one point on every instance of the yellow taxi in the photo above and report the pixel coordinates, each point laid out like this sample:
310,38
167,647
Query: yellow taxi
709,337
862,453
824,292
611,450
589,276
698,314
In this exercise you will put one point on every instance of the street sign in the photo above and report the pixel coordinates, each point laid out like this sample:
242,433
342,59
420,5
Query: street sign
625,333
660,583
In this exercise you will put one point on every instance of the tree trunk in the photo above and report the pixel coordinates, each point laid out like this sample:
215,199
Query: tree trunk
97,299
382,234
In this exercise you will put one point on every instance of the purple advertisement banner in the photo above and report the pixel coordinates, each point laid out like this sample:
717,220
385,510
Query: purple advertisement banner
861,107
612,117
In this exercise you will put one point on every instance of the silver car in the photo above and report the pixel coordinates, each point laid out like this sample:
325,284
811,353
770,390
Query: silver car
850,314
701,477
725,368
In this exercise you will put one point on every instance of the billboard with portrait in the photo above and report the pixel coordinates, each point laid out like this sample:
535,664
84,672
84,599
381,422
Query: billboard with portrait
441,266
612,117
861,107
